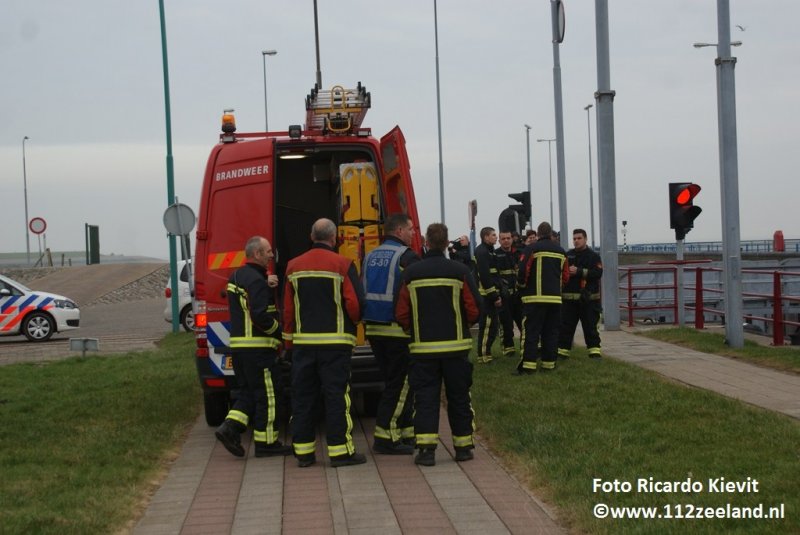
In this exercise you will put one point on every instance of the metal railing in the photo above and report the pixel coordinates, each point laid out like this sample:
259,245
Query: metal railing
747,246
770,296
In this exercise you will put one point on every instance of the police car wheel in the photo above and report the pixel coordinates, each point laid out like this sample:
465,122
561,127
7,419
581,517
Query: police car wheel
38,327
187,318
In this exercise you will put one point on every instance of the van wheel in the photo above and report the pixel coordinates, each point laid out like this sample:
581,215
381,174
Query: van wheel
38,327
187,318
216,407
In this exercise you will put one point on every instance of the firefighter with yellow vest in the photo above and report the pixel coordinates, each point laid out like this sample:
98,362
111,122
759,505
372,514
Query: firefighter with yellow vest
322,303
581,297
437,304
254,340
543,271
381,274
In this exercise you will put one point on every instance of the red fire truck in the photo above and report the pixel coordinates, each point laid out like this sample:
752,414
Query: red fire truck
276,184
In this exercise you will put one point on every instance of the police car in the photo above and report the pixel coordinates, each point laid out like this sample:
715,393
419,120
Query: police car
37,315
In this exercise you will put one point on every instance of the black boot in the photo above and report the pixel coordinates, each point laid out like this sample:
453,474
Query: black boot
426,457
276,449
464,454
348,460
230,436
387,447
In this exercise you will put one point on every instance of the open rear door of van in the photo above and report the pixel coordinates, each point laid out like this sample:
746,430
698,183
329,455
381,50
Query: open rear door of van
398,191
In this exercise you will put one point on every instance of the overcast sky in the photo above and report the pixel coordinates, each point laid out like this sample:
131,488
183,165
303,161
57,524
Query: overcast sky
84,80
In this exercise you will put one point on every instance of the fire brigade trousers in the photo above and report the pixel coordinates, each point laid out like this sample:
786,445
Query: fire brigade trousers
259,378
325,370
541,325
510,314
425,375
487,328
393,419
588,313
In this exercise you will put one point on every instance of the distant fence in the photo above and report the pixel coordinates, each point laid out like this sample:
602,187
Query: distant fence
749,246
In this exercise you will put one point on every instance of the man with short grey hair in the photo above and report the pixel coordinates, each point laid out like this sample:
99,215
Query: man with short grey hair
322,303
254,341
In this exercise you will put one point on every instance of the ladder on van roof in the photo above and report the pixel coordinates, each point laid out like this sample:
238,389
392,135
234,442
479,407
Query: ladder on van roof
337,109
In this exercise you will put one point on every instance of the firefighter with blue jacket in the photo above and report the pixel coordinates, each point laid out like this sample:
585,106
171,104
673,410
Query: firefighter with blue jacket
322,302
382,274
254,340
436,305
581,297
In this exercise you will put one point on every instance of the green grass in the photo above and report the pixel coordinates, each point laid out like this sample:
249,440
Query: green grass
83,439
785,358
610,420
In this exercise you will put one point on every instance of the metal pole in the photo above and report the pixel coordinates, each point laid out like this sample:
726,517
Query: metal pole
559,109
170,170
264,54
438,111
25,191
591,187
729,178
680,304
607,202
550,165
316,40
528,146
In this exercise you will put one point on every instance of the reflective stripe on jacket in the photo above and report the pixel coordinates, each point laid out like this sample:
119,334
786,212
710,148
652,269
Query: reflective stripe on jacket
322,299
254,322
543,271
437,304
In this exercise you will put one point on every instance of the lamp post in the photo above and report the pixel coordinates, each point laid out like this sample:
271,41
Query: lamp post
438,111
591,189
264,54
729,176
528,145
550,163
25,191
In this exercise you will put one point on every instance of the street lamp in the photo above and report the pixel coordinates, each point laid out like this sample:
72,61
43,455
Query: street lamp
591,190
264,54
701,45
25,190
528,144
550,163
438,111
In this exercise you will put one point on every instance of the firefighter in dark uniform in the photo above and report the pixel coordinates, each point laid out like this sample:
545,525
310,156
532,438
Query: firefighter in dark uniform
581,297
511,311
437,304
254,340
322,303
489,287
543,271
382,274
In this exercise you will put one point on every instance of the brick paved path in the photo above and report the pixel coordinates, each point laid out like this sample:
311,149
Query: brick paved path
210,491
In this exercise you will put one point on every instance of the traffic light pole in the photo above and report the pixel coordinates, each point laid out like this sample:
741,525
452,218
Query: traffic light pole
680,312
729,179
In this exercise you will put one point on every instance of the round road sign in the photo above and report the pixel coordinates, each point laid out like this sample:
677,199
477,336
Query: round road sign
37,225
179,219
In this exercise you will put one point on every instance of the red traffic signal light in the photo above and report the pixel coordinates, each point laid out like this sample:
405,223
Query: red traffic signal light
682,211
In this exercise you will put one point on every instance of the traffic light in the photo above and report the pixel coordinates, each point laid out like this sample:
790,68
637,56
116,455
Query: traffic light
516,216
682,210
